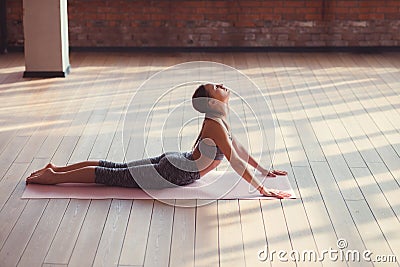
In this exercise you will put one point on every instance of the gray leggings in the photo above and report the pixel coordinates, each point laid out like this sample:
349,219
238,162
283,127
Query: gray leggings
170,169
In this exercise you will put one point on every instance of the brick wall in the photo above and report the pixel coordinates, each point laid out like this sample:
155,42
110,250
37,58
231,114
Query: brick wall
217,23
14,23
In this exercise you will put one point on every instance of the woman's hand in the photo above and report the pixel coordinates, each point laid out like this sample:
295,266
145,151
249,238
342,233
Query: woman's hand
273,193
273,173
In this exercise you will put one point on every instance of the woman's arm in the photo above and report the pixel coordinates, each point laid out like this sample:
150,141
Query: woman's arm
221,139
243,154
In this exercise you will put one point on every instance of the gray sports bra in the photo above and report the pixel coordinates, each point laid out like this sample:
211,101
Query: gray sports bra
210,150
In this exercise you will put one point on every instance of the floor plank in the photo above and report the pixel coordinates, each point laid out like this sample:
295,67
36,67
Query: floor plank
387,183
90,234
9,183
253,233
320,222
383,215
278,238
63,243
339,100
160,232
12,206
338,210
19,237
206,239
183,234
135,241
111,241
231,251
36,250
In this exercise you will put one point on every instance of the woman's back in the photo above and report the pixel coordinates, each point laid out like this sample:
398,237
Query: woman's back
206,151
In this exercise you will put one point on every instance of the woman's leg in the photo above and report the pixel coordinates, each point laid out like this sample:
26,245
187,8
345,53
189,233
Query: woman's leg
76,166
48,176
145,161
143,176
71,167
103,163
111,164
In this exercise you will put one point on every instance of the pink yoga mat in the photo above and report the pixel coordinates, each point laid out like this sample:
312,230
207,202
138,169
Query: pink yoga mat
214,185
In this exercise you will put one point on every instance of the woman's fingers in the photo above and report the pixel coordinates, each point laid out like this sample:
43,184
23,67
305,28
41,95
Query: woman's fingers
278,172
276,193
274,173
284,194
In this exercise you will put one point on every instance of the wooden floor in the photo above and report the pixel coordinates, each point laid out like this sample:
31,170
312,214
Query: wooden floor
337,121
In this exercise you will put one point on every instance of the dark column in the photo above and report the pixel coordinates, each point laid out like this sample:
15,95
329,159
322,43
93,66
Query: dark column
3,27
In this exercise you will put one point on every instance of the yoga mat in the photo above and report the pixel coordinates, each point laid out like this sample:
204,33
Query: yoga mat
213,185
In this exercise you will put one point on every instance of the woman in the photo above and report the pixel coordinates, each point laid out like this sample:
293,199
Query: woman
175,168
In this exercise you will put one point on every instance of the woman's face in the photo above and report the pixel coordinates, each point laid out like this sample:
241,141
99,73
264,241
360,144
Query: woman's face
218,91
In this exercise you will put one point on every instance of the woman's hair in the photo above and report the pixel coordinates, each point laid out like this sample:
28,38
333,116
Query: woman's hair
200,100
200,103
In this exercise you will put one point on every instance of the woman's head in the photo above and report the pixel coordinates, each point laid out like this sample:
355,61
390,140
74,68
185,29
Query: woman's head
207,98
200,99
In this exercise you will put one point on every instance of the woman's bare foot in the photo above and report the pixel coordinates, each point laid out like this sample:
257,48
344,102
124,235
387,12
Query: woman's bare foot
46,176
48,166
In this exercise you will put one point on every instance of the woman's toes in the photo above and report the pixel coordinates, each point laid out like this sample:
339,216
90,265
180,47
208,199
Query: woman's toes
36,174
46,177
29,179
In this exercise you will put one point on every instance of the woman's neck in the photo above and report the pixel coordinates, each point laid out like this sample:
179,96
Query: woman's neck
219,117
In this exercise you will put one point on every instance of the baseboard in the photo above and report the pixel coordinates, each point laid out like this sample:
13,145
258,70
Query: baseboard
47,74
320,49
323,49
